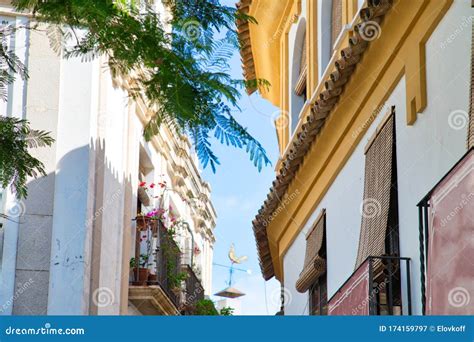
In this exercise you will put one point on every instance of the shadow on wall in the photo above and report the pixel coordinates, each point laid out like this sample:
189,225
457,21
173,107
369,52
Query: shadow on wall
74,242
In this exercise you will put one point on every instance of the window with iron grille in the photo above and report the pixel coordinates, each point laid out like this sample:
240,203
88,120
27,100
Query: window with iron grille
379,208
318,297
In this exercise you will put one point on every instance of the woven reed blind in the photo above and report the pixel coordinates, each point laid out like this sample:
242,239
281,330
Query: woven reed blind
377,189
470,130
303,56
300,86
336,26
314,260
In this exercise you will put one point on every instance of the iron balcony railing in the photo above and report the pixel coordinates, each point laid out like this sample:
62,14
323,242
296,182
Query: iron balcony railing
385,285
374,288
168,264
157,252
194,290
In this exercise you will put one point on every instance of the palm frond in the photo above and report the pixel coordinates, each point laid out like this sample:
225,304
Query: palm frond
36,138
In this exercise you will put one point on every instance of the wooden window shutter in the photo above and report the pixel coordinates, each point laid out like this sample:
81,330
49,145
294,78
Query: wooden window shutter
315,259
336,25
300,86
379,201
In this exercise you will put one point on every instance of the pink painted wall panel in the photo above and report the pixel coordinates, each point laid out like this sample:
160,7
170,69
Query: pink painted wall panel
450,274
352,299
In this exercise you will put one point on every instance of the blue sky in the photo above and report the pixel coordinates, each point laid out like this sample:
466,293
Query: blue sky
238,191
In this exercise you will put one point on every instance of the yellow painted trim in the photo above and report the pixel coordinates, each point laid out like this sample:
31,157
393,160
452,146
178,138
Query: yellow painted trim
283,120
265,37
312,47
387,59
352,8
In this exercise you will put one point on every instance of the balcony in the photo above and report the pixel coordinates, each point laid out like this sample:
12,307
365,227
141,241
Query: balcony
160,283
375,288
156,277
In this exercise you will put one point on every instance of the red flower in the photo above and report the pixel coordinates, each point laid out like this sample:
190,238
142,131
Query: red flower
142,184
152,185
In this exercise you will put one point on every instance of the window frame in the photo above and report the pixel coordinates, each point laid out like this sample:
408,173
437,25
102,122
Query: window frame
319,290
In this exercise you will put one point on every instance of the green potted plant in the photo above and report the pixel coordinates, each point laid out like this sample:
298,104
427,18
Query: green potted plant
175,281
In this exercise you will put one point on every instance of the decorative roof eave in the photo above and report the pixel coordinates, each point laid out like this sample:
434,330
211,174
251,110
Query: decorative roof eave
246,54
326,100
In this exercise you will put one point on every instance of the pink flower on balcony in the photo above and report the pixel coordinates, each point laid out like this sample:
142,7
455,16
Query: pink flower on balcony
156,213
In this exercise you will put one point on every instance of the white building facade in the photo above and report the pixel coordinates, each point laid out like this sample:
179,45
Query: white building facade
68,247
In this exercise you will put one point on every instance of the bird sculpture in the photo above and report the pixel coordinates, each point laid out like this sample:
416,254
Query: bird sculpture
233,258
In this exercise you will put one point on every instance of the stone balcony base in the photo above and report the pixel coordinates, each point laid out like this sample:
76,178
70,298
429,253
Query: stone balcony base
152,300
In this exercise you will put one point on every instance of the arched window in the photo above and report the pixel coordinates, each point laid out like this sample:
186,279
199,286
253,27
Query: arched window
298,74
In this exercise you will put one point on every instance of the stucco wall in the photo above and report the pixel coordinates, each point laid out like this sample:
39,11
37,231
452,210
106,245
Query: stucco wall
32,261
437,140
425,152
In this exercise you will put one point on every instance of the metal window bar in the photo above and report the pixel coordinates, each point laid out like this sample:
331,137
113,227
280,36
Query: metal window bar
392,265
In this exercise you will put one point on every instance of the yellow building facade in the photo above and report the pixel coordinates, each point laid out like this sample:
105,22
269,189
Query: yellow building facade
343,72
